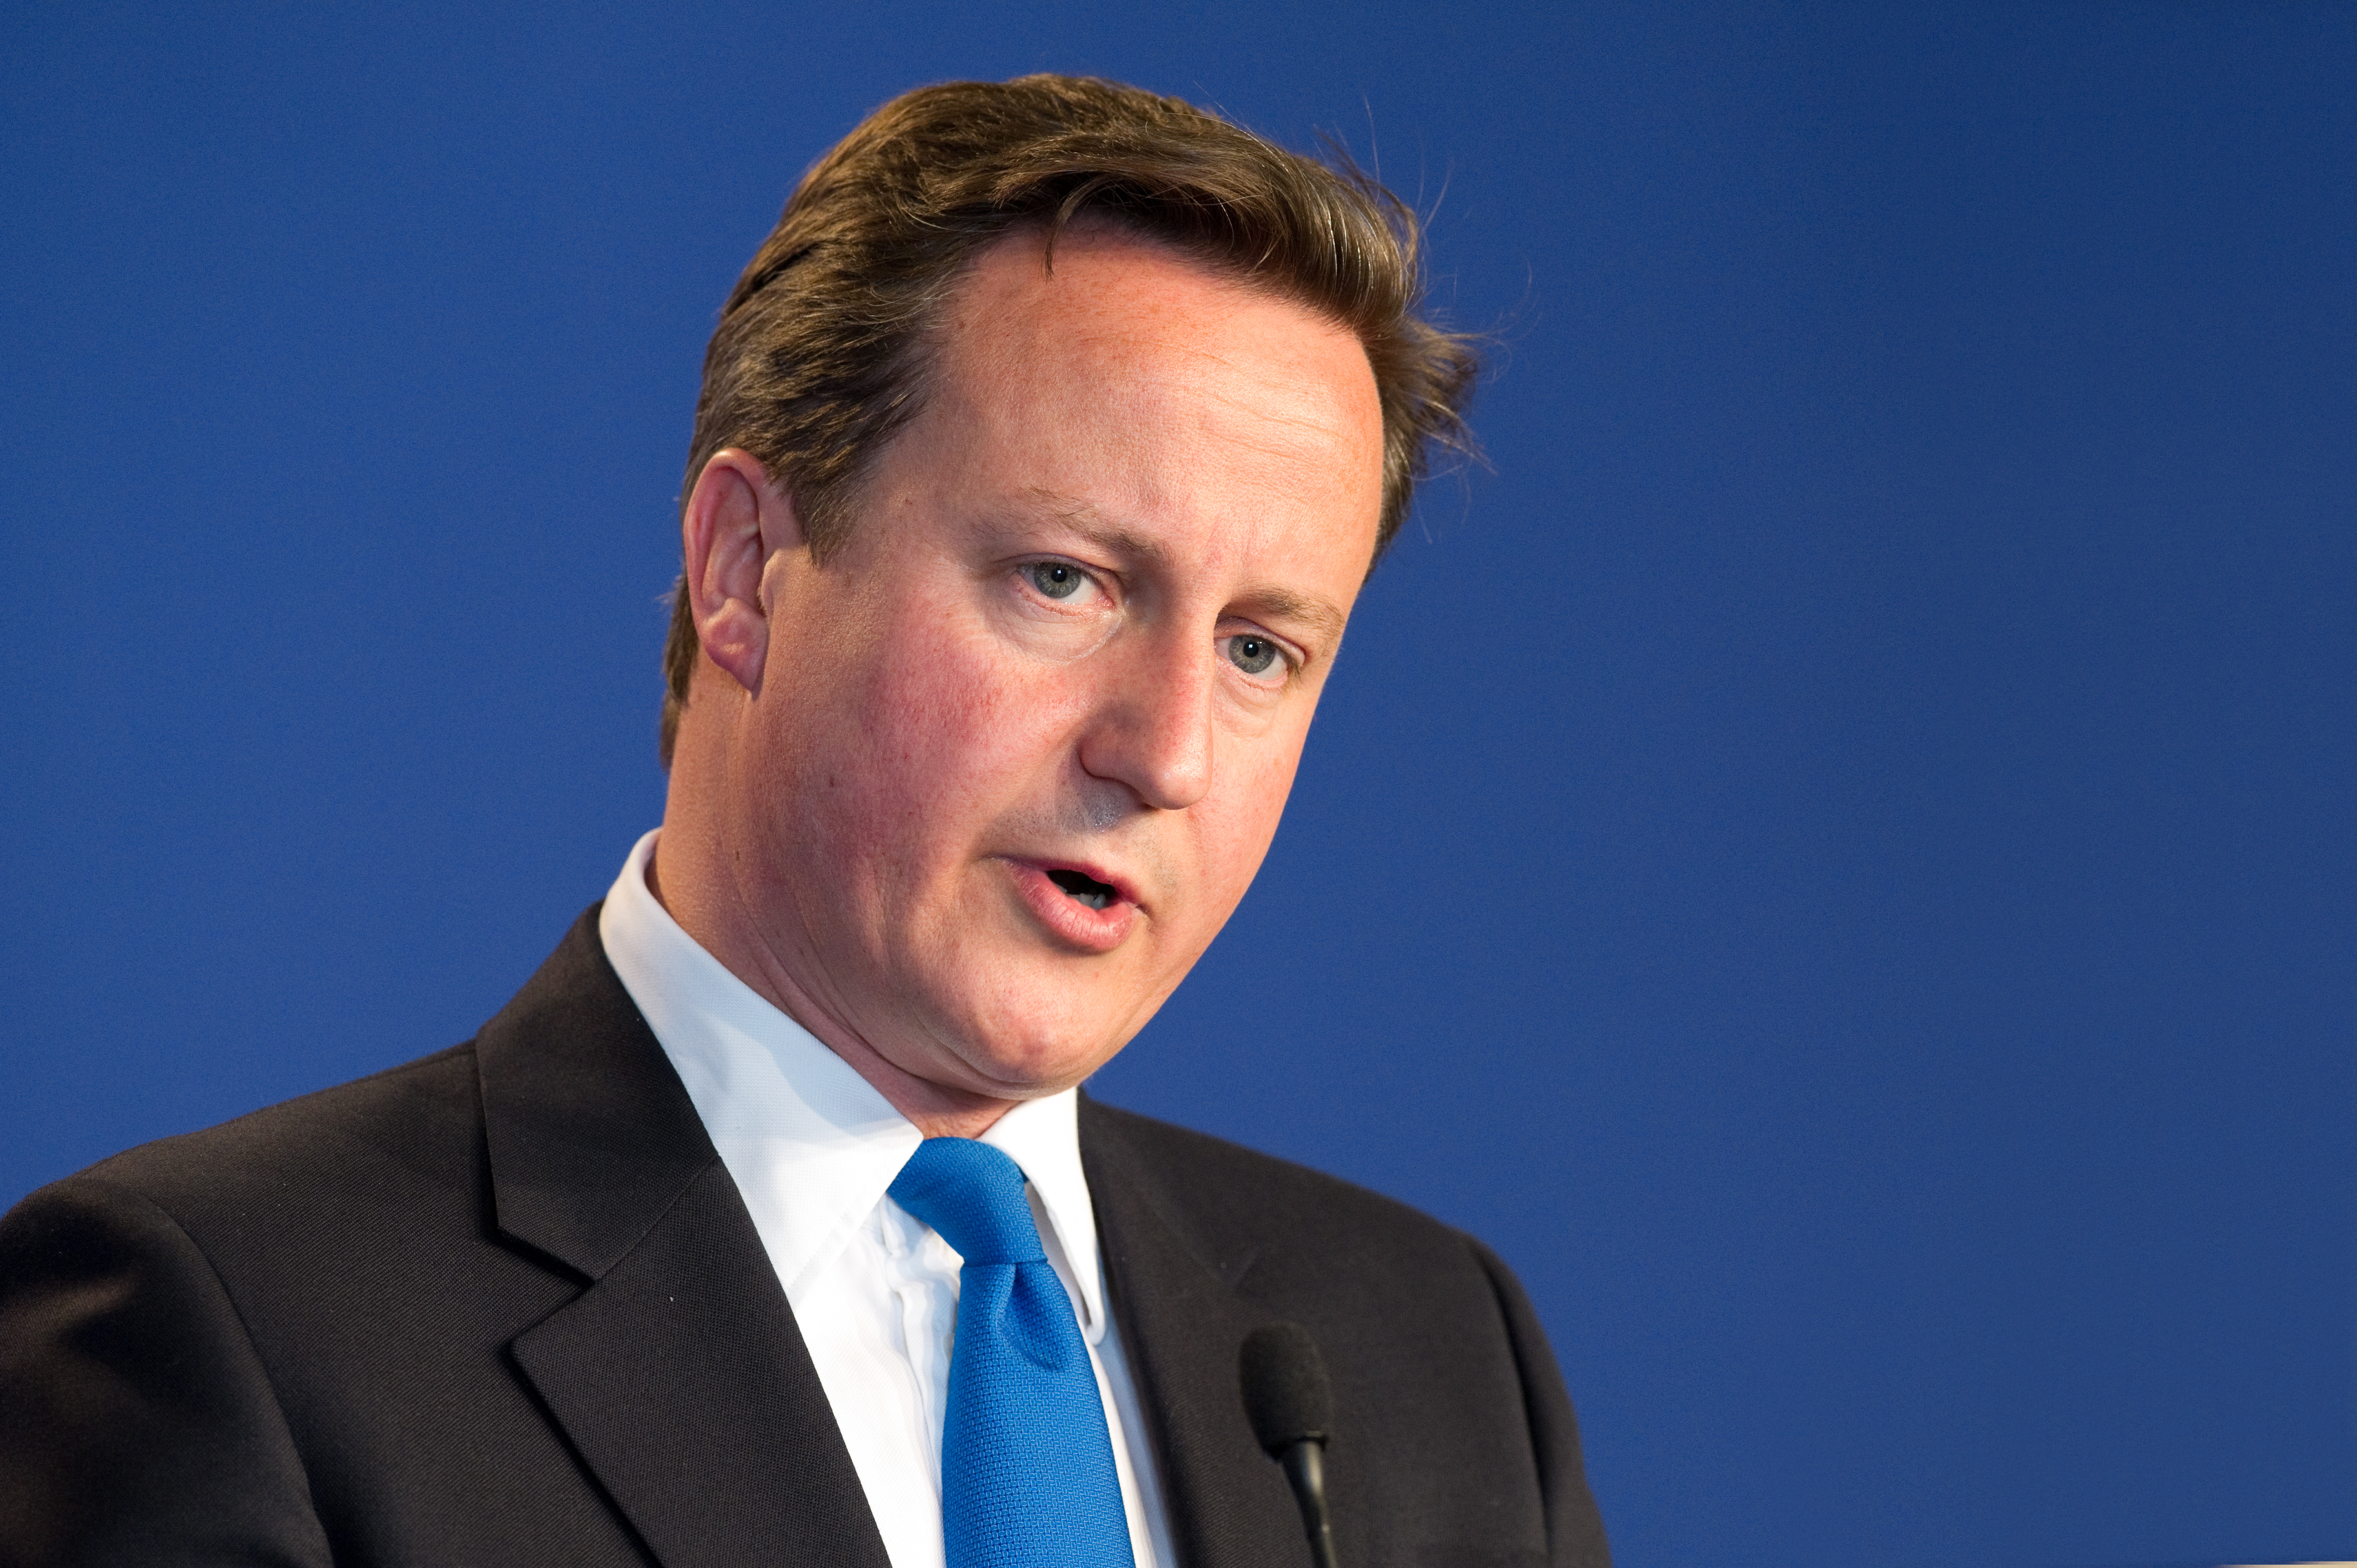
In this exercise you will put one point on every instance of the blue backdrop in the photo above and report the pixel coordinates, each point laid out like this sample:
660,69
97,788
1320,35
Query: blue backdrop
1837,855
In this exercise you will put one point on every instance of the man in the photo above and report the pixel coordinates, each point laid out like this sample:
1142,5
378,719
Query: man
1042,451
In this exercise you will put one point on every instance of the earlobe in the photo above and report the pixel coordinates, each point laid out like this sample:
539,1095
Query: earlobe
735,517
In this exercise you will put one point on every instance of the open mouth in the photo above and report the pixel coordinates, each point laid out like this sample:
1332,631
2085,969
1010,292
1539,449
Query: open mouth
1083,888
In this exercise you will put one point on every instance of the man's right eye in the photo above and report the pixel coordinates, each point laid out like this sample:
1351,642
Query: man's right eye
1057,579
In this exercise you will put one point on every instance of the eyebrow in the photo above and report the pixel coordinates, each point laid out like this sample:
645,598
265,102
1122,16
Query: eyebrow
1316,613
1094,525
1100,530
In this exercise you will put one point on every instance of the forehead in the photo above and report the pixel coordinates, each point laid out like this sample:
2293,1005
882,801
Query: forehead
1144,381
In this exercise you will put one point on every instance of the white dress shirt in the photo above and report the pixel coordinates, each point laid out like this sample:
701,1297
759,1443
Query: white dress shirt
812,1146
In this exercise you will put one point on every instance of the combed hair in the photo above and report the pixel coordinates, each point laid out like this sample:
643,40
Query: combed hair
820,354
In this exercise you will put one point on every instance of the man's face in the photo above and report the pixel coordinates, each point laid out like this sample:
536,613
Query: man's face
1020,746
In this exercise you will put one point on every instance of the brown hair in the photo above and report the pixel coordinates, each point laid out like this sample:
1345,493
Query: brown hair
818,358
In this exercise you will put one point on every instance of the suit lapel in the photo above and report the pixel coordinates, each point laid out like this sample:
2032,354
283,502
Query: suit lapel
1182,1325
678,1374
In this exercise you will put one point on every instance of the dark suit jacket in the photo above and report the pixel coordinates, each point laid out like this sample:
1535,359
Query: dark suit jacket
503,1305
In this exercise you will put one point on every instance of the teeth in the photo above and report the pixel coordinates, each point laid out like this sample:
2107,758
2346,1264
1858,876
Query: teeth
1083,888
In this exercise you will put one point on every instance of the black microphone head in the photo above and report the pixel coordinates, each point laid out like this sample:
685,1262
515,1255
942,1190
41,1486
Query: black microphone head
1286,1394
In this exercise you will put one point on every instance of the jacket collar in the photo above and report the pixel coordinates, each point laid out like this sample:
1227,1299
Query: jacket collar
677,1374
1173,1287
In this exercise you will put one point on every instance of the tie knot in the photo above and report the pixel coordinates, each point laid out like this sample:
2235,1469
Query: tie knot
973,1195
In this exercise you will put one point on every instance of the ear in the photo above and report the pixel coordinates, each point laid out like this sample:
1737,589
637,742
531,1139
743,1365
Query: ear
734,520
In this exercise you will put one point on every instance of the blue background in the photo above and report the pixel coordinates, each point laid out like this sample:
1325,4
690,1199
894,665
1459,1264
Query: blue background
1836,856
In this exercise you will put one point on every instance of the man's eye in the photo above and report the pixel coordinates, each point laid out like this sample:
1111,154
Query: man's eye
1057,579
1253,655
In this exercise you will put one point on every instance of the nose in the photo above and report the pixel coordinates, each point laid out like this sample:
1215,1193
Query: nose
1152,729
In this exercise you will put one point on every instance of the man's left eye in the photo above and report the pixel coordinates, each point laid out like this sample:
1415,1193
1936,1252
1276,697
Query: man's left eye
1253,655
1057,579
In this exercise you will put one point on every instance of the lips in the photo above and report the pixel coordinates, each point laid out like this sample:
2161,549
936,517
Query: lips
1086,907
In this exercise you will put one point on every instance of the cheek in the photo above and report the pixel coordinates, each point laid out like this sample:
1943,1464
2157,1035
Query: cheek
1235,832
950,732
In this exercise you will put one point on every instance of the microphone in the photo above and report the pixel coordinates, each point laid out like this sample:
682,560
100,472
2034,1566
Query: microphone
1292,1413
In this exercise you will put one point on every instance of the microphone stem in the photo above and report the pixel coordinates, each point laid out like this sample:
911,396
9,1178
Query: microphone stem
1304,1469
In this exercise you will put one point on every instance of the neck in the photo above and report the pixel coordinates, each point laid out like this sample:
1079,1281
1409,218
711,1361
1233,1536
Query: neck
720,927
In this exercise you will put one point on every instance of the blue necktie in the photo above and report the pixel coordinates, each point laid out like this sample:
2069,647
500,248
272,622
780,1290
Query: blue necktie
1026,1469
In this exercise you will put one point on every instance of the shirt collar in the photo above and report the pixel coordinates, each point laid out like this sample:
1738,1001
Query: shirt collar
812,1145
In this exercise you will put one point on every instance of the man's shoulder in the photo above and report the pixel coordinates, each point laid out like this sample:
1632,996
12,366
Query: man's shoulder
321,1128
370,1142
406,1147
1237,1200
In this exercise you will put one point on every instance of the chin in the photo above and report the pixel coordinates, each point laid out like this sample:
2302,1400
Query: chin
1031,1057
